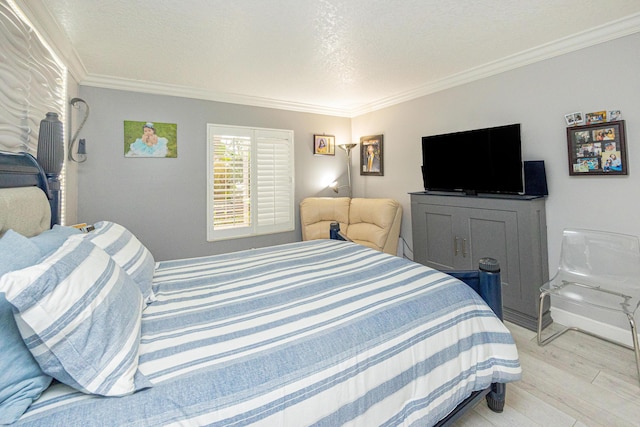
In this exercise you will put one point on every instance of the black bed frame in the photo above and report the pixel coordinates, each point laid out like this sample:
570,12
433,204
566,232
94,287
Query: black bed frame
23,170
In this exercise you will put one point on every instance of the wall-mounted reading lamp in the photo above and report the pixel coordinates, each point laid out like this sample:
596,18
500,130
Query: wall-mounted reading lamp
82,148
335,187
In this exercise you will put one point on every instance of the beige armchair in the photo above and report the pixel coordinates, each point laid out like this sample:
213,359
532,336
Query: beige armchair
370,222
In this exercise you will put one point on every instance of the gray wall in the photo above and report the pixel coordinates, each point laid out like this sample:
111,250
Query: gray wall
537,96
163,201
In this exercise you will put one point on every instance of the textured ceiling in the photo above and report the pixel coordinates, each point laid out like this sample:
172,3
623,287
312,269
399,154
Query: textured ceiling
340,54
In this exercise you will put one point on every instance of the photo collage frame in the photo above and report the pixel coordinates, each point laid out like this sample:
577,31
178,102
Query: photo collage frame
597,149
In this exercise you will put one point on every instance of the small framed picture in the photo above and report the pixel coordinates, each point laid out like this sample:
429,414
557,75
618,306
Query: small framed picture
324,145
573,119
596,117
597,149
371,155
614,115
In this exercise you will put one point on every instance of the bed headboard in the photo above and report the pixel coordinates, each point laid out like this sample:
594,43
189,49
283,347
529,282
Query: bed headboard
25,196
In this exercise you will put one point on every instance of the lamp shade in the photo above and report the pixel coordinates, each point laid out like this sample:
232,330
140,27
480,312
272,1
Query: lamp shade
50,144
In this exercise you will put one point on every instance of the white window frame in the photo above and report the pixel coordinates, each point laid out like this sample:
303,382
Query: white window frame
270,201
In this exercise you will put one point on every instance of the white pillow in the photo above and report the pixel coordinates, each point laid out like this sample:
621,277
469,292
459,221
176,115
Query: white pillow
127,251
79,314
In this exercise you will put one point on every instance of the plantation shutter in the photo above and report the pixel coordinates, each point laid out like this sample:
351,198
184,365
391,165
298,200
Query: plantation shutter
250,182
274,173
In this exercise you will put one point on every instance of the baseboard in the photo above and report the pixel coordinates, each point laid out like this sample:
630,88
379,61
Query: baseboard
614,333
524,320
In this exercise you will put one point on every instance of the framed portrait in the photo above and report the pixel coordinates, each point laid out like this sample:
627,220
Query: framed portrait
598,149
150,139
324,145
371,155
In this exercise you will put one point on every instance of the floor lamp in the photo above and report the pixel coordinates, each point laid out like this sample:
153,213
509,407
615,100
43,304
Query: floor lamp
347,148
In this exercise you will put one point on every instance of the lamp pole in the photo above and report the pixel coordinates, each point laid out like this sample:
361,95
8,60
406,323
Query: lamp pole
347,148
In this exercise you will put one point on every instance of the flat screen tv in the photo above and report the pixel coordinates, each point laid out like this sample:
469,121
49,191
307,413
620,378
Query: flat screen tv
475,161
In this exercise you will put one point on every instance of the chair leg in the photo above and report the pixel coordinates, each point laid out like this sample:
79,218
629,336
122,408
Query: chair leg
543,342
636,347
542,296
632,324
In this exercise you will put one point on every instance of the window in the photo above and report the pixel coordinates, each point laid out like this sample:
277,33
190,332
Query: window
250,186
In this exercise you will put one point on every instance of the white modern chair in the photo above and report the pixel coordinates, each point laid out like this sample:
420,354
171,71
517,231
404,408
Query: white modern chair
597,269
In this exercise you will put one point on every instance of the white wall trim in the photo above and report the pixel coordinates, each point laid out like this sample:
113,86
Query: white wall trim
156,88
613,30
616,29
38,13
613,333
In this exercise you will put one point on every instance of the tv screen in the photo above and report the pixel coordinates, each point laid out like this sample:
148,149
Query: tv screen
475,161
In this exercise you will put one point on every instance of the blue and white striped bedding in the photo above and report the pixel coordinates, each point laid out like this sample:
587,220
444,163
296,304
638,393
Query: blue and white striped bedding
311,333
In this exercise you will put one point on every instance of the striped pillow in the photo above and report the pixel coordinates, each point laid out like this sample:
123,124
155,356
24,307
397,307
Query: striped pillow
127,251
79,314
21,379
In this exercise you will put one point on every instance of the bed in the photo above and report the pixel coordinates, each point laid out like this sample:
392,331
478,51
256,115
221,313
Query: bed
321,332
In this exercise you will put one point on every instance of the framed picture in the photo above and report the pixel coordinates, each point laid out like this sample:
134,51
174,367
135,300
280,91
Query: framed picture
371,155
598,149
596,117
324,145
573,119
614,115
150,139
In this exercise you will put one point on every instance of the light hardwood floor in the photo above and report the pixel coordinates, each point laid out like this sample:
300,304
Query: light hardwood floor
576,380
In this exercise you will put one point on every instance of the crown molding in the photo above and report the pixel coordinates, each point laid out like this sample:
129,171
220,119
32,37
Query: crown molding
607,32
156,88
38,14
41,18
611,31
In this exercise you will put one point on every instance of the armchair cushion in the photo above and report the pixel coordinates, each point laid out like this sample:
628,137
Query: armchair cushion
375,223
370,222
317,213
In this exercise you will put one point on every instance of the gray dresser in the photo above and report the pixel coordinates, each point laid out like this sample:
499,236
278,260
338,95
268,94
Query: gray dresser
452,232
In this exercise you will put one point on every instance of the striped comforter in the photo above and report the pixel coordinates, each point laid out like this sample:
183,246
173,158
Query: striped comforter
312,333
